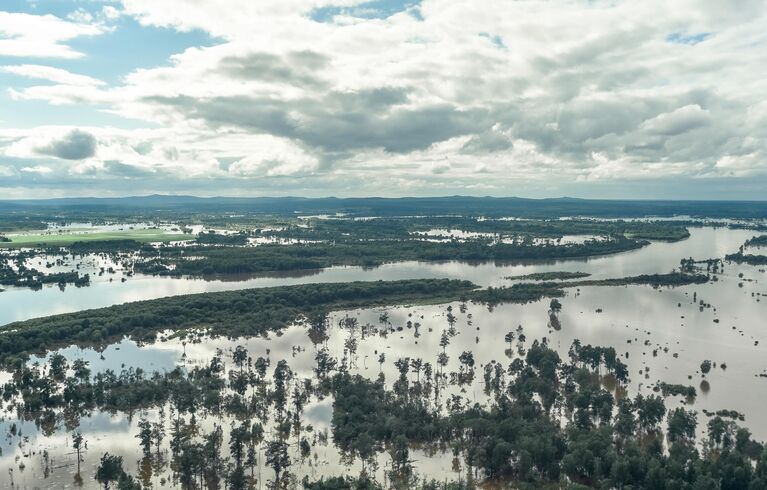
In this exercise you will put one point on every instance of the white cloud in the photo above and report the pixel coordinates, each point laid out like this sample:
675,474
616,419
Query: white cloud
455,93
56,75
38,169
41,36
110,13
678,121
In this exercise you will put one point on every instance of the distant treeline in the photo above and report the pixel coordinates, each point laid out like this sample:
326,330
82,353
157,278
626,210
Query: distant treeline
381,228
22,221
211,238
454,205
105,246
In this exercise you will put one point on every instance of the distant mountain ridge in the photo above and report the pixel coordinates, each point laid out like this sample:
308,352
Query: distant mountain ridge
403,206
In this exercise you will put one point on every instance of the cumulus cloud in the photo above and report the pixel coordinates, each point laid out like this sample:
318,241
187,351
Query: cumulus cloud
75,145
338,121
487,142
678,121
298,68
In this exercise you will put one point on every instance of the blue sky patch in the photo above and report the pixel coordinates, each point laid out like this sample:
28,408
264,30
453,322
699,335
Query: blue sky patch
377,9
689,39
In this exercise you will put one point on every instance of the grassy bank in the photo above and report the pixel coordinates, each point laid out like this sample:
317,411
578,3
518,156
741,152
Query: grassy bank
65,239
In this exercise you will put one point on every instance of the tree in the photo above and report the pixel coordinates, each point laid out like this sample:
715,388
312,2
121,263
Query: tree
364,446
555,306
282,376
650,411
158,433
444,340
705,367
109,470
127,482
467,359
400,459
81,370
417,366
381,361
58,364
238,436
145,436
77,444
325,364
681,425
240,356
237,480
625,422
277,457
509,338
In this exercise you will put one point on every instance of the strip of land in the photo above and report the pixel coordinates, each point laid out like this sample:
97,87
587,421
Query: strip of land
249,312
750,259
253,312
549,276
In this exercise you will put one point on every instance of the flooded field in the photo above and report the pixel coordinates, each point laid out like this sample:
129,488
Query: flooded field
663,335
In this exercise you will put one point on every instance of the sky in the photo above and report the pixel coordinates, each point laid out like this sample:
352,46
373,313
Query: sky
604,99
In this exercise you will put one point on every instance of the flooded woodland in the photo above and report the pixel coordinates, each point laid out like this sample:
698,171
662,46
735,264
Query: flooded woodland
405,395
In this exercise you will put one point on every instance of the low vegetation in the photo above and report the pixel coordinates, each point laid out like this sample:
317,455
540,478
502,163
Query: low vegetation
549,276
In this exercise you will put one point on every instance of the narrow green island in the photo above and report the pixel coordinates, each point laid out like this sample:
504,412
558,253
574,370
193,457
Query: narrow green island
252,312
549,276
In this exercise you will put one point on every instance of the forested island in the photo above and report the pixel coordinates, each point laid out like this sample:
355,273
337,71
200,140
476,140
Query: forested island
232,313
257,311
267,258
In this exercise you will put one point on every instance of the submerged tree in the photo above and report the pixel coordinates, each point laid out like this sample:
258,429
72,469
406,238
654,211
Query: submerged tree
277,457
78,443
110,470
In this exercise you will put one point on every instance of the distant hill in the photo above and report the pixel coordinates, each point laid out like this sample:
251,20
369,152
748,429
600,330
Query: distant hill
407,206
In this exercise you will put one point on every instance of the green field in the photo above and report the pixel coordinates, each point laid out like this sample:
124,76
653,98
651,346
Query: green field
67,238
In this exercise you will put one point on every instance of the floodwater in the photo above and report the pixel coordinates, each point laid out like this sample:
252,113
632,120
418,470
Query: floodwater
659,257
661,334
